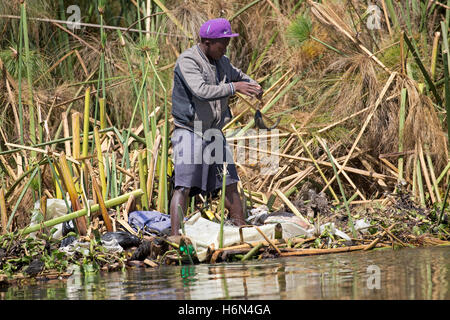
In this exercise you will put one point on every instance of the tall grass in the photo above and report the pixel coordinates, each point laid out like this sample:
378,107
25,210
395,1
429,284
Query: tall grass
321,70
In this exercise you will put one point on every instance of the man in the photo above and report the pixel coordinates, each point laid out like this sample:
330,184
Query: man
204,79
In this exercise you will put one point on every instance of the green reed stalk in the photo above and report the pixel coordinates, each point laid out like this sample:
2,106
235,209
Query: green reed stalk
243,9
133,80
152,21
139,27
84,150
142,181
350,219
23,176
445,59
153,119
414,181
416,6
392,13
253,58
443,173
328,46
101,167
305,147
407,18
434,54
434,187
69,108
64,38
114,189
147,133
142,56
101,103
20,80
127,57
86,123
80,213
252,252
263,54
22,194
58,178
163,190
420,183
424,71
423,16
103,45
29,76
444,204
166,150
107,176
447,15
76,153
126,157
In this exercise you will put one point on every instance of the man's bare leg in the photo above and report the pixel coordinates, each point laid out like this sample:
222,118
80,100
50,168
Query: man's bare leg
234,205
180,198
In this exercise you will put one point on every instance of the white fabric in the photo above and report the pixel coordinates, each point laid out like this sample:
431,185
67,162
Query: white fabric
204,233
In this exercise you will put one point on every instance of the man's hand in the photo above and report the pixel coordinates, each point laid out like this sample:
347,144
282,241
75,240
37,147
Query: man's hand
249,89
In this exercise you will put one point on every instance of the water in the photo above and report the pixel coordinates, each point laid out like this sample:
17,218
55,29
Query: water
421,273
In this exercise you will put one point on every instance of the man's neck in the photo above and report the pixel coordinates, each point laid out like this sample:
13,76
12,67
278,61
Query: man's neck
203,49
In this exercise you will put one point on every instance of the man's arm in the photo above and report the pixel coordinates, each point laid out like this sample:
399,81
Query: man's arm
191,75
244,84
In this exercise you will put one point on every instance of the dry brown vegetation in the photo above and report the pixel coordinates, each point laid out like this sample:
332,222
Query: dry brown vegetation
331,79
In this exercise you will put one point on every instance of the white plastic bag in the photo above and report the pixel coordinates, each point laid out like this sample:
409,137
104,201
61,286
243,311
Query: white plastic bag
55,208
204,233
362,225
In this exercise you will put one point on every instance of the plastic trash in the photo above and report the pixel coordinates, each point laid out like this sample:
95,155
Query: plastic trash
55,208
286,217
332,230
67,227
112,245
67,241
203,233
124,239
76,246
150,221
362,226
72,245
258,215
259,210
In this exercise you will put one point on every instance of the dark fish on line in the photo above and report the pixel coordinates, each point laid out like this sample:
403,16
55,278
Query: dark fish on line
260,123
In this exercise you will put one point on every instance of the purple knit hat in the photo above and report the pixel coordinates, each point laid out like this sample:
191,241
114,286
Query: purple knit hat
216,28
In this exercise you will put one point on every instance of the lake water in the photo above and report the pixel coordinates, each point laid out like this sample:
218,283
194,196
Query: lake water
419,273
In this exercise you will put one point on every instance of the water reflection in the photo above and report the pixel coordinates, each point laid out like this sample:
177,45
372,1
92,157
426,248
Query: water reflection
404,274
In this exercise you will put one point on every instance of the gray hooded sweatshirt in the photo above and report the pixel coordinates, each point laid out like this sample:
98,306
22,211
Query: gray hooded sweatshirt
201,90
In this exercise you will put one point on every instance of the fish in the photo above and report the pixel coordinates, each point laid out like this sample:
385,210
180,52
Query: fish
260,123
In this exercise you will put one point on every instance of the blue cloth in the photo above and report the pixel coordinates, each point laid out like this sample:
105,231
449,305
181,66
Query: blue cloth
150,221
